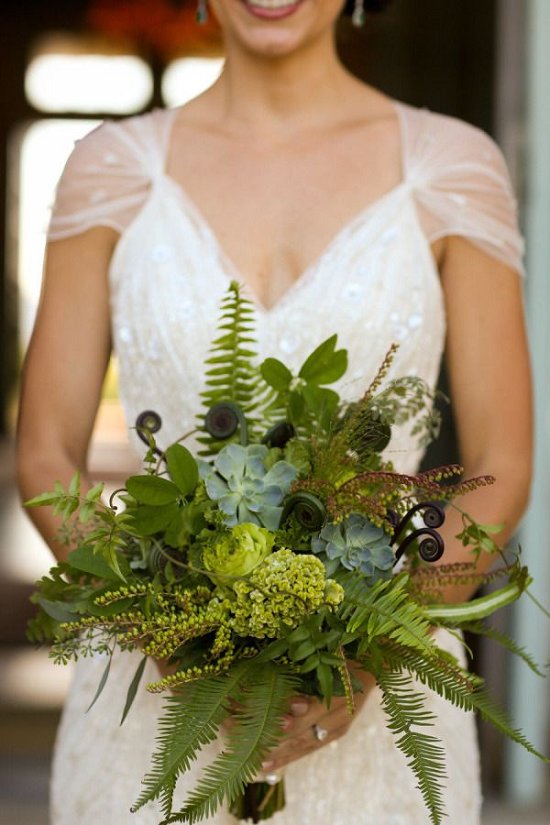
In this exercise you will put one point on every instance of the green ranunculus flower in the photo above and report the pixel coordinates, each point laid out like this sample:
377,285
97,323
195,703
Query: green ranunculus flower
237,553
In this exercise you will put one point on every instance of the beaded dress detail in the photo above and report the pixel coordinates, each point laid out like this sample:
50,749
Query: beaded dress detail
376,283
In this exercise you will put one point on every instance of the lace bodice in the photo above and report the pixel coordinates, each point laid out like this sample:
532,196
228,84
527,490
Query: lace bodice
376,283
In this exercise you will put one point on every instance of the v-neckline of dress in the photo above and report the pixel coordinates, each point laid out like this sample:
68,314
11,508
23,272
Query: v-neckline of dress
231,271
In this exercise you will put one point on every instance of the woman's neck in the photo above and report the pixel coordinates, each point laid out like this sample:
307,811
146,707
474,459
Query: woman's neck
269,95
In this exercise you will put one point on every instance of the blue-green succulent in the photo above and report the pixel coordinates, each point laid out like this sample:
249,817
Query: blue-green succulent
356,544
244,489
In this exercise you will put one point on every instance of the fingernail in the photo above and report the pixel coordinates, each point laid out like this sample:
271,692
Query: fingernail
299,708
286,723
266,766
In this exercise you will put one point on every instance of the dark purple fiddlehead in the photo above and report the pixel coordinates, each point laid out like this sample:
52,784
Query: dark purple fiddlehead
149,422
224,419
430,543
279,434
308,510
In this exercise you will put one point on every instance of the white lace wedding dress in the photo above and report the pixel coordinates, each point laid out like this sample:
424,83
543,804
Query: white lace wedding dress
376,283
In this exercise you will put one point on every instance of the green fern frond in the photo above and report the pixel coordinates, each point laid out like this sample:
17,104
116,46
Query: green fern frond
191,720
497,717
482,629
443,674
264,701
386,610
425,756
231,372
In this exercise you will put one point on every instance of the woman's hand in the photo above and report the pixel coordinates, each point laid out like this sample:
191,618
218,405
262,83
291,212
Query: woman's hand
305,712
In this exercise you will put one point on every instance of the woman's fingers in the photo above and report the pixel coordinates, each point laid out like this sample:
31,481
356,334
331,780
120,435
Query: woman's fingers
300,738
296,747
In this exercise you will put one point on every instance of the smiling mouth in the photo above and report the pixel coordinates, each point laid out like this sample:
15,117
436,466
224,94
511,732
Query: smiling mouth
272,9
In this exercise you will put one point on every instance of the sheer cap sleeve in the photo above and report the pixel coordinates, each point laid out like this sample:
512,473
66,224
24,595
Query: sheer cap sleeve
108,175
462,185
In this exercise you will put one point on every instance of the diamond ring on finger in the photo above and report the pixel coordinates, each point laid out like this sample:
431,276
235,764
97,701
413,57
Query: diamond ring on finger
319,732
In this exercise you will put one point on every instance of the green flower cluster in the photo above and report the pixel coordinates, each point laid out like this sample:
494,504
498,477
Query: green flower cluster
280,593
237,553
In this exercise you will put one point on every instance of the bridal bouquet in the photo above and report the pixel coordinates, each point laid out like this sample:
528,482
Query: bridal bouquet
284,556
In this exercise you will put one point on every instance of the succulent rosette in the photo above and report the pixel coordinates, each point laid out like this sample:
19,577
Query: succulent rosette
356,544
244,489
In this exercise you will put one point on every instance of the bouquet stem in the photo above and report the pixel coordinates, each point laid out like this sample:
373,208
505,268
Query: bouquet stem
259,801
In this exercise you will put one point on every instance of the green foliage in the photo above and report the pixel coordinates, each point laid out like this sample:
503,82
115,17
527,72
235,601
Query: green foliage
505,641
385,610
231,373
404,707
479,537
263,700
102,683
192,719
183,468
133,689
304,400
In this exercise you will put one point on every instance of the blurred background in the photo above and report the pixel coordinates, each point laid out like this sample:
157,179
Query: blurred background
67,65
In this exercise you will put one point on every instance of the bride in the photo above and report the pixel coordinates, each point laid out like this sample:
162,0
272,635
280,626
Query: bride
338,209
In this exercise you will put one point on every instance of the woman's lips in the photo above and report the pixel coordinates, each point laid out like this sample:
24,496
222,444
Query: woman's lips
272,9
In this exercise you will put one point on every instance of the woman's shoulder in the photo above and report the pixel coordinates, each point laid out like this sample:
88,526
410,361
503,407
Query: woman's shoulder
108,175
136,140
461,183
442,144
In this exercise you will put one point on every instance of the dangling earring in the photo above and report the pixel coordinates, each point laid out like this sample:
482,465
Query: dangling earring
358,17
201,15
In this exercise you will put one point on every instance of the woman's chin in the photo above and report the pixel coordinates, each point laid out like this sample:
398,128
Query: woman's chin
272,44
273,28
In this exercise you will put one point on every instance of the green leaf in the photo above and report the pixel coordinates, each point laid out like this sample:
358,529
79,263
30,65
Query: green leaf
59,611
302,650
276,374
101,685
326,681
85,560
42,500
310,663
87,509
273,650
132,690
152,490
296,406
147,520
74,486
475,609
182,468
331,659
300,634
325,365
322,402
94,493
113,609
